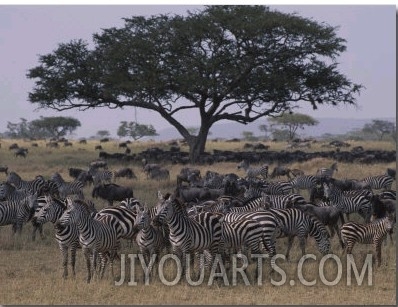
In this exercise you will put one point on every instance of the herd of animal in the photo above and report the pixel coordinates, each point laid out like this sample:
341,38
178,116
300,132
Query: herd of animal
206,214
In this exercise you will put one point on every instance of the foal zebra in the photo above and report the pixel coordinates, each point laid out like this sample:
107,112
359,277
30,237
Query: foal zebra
372,233
97,236
253,172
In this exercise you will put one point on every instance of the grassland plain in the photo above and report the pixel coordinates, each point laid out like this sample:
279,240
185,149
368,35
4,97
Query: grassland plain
30,272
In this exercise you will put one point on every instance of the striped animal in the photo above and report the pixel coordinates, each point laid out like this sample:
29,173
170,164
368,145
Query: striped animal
187,235
325,172
379,182
293,222
98,236
16,213
348,204
253,172
68,188
372,233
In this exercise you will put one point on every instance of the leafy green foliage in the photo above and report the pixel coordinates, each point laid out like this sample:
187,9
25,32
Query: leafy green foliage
135,130
291,122
236,63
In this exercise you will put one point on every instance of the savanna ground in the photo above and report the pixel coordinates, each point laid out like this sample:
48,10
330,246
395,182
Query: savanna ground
30,272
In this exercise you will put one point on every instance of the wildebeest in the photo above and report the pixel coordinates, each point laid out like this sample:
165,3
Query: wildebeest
21,152
98,147
125,172
112,192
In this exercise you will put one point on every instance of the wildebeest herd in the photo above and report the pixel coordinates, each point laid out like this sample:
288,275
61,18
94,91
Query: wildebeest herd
206,214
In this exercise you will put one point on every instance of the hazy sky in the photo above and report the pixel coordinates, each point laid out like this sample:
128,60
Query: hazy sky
28,31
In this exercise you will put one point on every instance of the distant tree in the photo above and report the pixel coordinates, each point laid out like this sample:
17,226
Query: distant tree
265,129
135,130
292,122
248,136
380,128
18,130
280,134
103,133
234,63
57,126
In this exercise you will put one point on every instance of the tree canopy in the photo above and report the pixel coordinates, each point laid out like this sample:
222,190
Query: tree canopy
135,130
291,122
380,128
236,63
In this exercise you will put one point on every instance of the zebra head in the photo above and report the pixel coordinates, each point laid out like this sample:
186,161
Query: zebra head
164,210
70,215
143,219
321,236
243,164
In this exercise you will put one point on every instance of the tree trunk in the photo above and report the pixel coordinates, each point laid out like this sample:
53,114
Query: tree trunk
197,144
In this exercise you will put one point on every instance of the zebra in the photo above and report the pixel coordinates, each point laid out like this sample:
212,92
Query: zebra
325,172
150,239
348,204
294,222
306,182
243,234
372,233
379,182
17,212
96,235
272,188
68,188
36,185
126,219
100,176
186,234
67,237
253,172
8,192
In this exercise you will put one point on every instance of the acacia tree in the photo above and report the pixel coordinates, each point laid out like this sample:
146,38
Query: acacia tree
291,122
380,128
135,130
57,126
236,63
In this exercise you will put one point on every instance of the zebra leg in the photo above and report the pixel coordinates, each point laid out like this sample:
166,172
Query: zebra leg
88,255
64,251
73,260
377,245
336,227
289,246
302,245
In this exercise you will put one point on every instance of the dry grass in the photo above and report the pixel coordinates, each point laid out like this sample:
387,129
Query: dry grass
30,272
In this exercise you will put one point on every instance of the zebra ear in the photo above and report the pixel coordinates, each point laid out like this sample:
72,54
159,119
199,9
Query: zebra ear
160,195
69,202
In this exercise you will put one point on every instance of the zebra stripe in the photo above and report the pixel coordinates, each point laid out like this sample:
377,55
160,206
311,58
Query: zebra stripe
253,172
325,172
306,182
294,222
372,233
97,236
68,188
150,239
379,182
35,186
186,234
17,212
348,204
67,237
100,176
